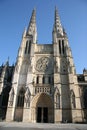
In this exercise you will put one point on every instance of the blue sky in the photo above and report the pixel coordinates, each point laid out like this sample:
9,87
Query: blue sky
15,16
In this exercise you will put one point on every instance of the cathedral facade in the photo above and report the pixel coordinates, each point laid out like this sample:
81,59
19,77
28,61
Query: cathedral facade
43,85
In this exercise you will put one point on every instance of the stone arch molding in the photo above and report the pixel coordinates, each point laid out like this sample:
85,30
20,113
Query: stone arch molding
21,88
41,99
56,90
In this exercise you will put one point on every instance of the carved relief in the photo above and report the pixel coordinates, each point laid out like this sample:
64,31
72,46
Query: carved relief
73,104
43,64
27,98
57,98
11,97
56,68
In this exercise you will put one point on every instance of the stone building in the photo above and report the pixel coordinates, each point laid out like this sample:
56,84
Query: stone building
43,85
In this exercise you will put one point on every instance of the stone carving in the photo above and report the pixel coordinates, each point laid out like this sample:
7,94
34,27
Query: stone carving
27,98
72,99
56,69
69,67
57,98
11,97
43,64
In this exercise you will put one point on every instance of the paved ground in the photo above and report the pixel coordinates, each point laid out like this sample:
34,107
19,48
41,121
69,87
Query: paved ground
40,126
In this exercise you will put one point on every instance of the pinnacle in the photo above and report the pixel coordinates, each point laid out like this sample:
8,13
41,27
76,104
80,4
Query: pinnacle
57,24
32,23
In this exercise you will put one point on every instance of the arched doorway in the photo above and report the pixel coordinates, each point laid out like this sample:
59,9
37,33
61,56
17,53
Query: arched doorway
42,109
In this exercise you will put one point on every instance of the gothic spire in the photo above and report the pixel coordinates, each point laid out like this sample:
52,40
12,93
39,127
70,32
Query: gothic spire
32,24
57,23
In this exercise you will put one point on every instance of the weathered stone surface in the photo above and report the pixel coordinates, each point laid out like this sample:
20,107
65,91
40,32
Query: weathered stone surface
46,87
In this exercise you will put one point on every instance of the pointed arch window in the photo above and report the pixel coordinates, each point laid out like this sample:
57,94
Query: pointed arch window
49,79
29,46
37,79
26,47
60,46
73,104
20,102
43,79
63,46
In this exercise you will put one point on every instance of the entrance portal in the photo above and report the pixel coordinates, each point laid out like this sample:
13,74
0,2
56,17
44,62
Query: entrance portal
42,109
42,114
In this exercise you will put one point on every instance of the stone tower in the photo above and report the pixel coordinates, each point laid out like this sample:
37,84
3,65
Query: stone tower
65,79
45,87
